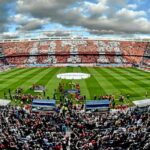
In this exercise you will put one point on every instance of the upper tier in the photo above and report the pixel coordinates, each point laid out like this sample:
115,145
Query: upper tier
74,47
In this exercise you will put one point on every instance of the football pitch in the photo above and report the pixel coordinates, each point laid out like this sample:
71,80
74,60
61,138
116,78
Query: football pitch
103,81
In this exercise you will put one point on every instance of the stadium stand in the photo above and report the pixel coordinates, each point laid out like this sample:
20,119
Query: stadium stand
146,58
1,62
145,63
133,51
70,129
17,48
76,51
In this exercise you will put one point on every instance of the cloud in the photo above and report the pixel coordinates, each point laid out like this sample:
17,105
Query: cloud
44,8
130,14
8,35
99,17
33,24
4,14
26,23
132,6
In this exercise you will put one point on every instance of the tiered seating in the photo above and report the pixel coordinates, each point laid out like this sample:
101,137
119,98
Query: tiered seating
61,59
147,51
74,59
88,58
146,58
32,60
103,59
70,128
50,60
4,68
52,47
76,51
87,47
62,51
41,59
1,62
45,59
74,47
16,48
17,60
133,51
34,50
43,47
62,47
109,52
88,51
147,61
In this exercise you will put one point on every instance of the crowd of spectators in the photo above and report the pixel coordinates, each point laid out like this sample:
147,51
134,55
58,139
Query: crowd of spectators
84,51
146,59
4,68
69,127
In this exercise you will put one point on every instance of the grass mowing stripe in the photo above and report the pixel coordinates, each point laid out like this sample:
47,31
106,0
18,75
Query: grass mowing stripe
82,82
77,70
4,76
138,72
44,80
17,74
102,91
143,78
19,82
69,69
136,77
9,71
35,79
18,77
110,88
113,78
104,81
88,85
124,72
54,81
118,83
93,86
22,81
137,86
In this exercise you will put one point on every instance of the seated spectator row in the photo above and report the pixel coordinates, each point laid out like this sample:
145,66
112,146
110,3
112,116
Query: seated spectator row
72,46
53,59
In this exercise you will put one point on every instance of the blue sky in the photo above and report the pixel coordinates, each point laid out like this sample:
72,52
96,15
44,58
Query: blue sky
95,17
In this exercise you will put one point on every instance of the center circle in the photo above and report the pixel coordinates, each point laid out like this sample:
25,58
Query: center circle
73,76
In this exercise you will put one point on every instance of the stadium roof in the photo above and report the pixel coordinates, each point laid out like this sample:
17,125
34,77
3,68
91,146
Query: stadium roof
68,35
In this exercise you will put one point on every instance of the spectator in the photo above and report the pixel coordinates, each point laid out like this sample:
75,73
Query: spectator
89,131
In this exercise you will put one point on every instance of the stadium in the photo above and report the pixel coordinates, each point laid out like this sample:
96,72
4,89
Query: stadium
69,90
116,67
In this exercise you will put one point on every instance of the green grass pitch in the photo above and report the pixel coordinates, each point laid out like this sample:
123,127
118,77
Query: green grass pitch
103,81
